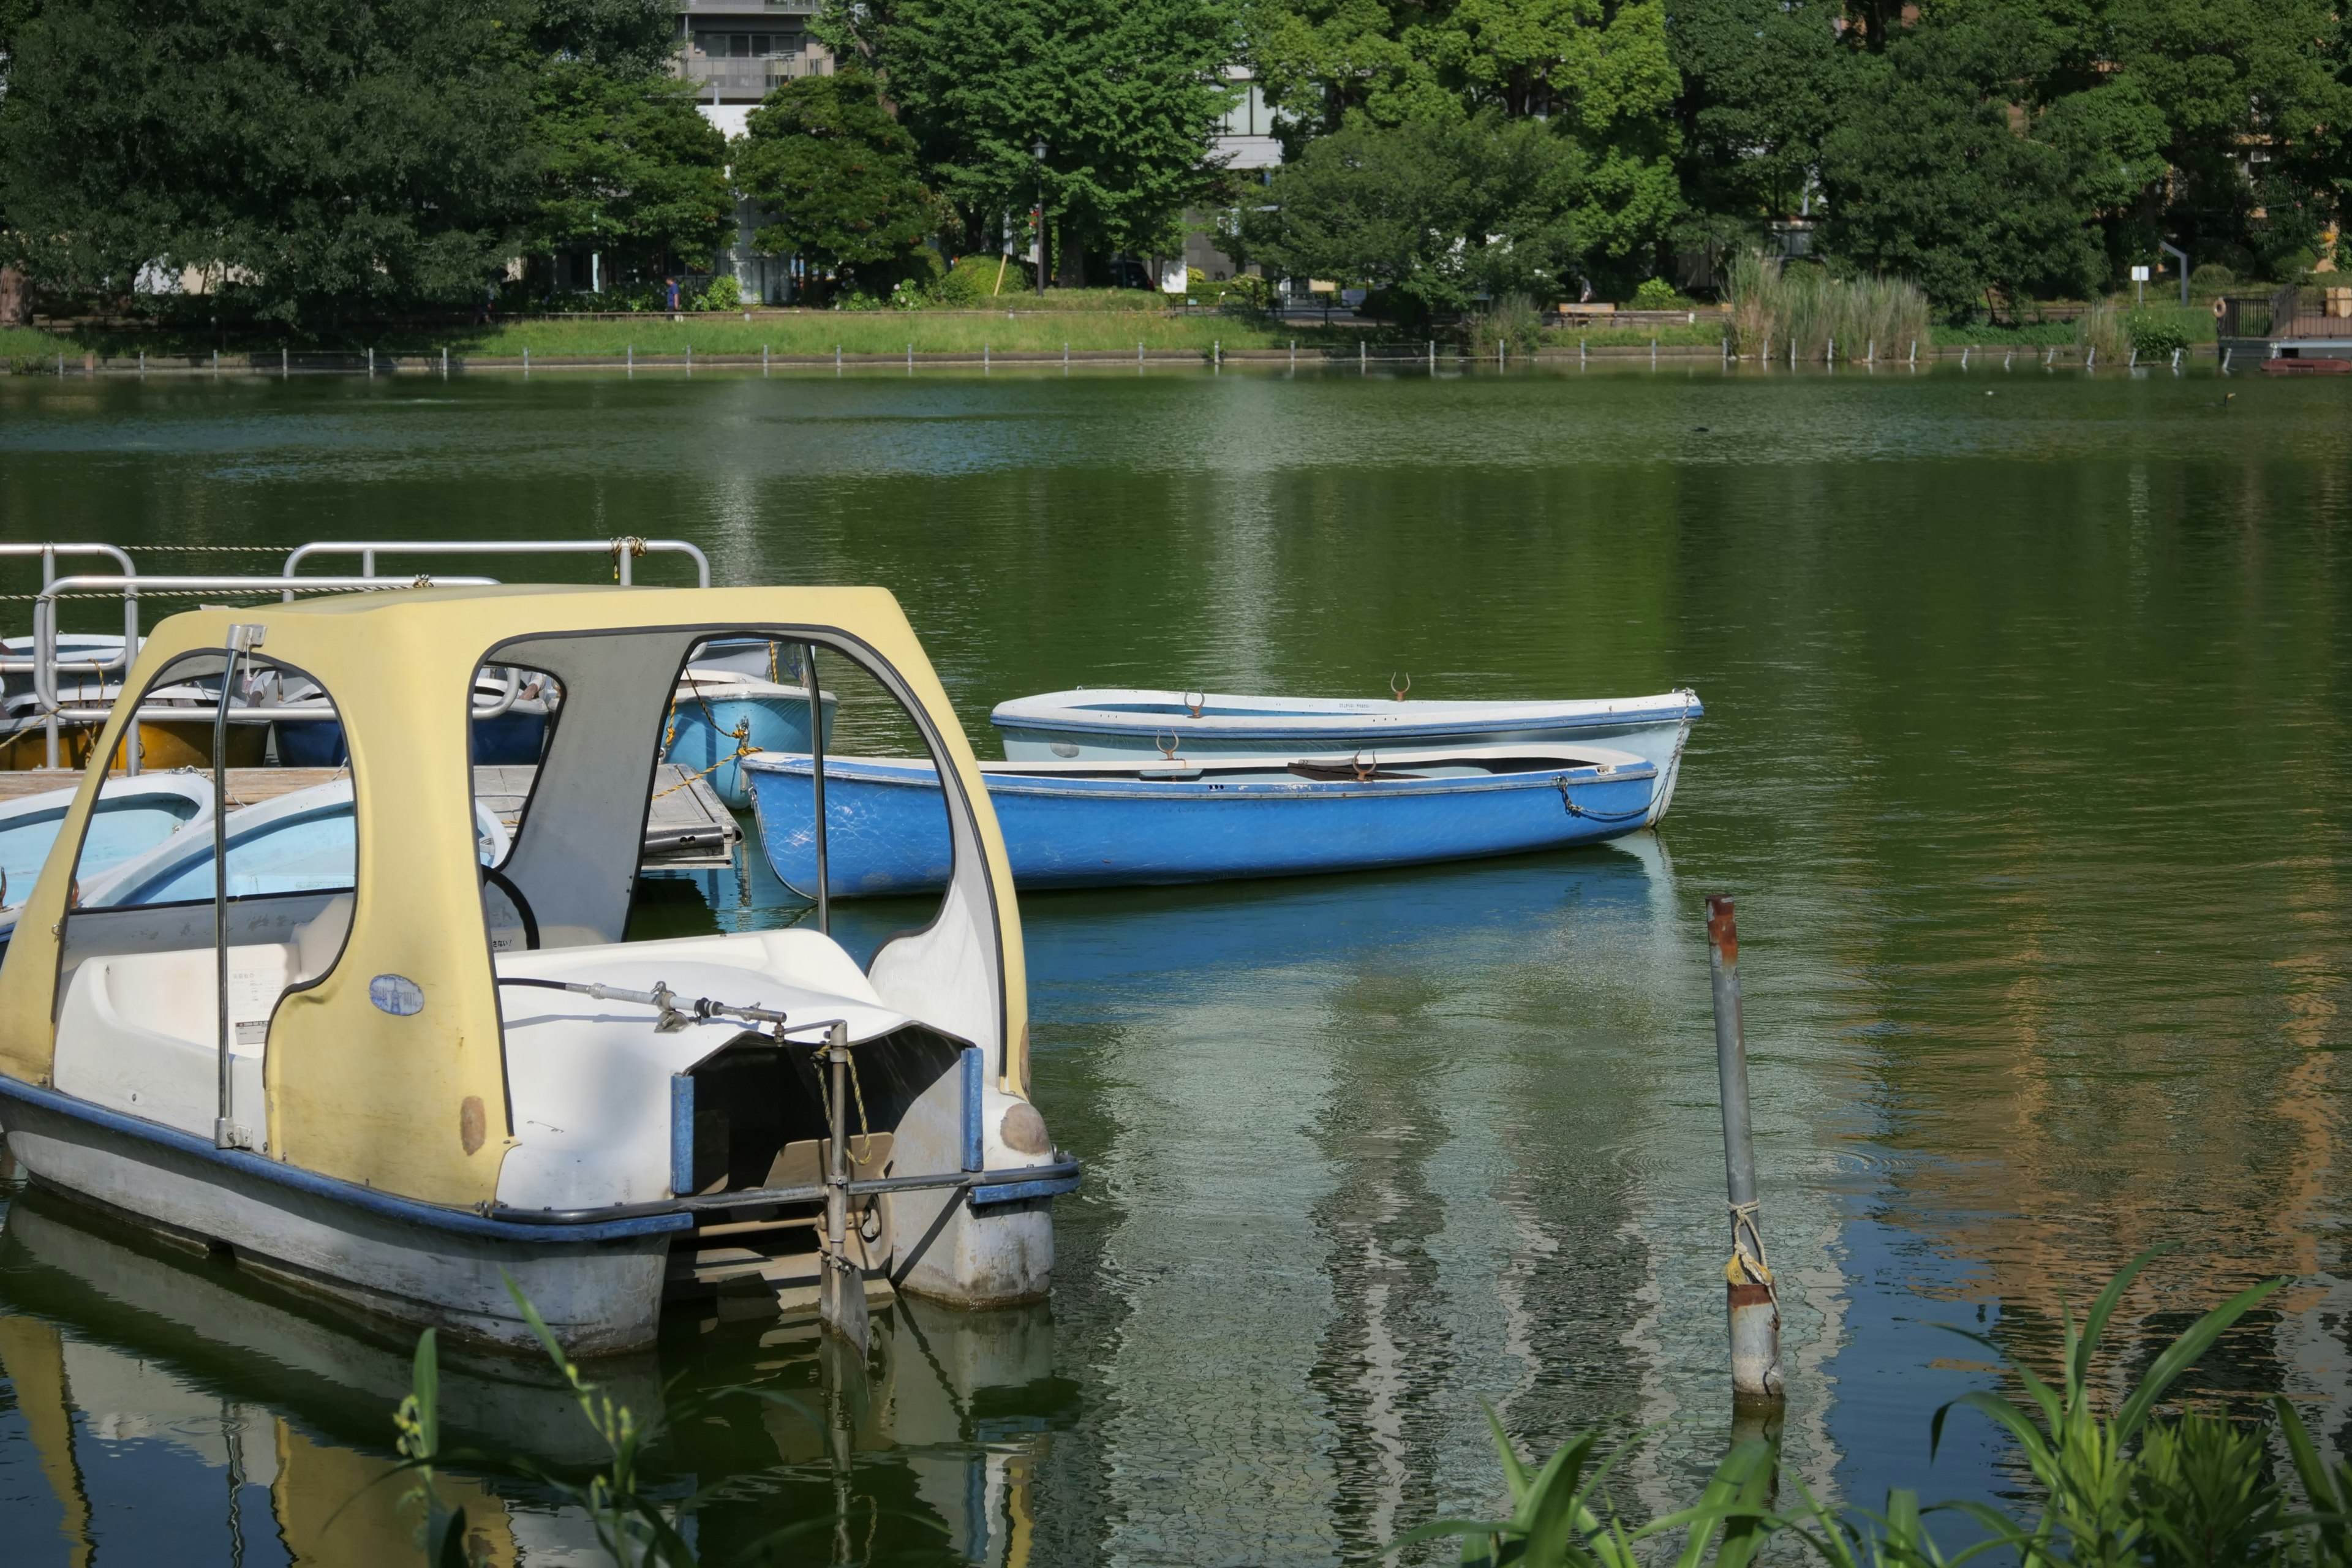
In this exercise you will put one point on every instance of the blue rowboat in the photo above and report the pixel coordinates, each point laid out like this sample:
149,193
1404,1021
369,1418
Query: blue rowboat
509,724
1138,725
1076,824
720,713
132,817
302,842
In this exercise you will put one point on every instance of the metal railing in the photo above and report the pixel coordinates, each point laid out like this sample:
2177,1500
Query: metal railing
623,551
45,668
54,710
50,555
753,74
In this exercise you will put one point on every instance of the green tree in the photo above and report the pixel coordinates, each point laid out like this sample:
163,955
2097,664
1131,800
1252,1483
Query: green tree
1601,75
1438,211
1937,176
2218,125
1125,94
313,163
629,167
1763,83
836,177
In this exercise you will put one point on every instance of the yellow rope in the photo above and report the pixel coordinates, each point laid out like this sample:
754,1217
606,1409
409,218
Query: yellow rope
741,733
862,1140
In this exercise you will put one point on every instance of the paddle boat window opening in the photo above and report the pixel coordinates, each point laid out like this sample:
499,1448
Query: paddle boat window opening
140,959
616,1123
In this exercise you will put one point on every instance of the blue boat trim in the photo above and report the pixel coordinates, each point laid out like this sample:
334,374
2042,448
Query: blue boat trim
1012,1192
433,1216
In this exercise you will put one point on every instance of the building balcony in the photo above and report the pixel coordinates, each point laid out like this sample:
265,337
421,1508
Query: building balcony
751,77
748,11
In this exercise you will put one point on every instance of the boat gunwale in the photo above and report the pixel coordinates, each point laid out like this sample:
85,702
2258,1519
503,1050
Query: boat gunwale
888,772
1272,722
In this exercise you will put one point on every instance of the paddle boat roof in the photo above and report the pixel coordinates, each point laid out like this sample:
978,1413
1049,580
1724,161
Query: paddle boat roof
416,1101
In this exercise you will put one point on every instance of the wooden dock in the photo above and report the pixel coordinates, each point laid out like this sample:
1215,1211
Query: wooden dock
687,824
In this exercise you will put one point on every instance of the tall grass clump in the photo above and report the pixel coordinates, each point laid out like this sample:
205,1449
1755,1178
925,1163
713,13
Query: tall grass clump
1511,320
1776,304
2122,1485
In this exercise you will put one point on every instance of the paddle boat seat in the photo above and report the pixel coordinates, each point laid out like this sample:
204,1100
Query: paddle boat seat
129,1040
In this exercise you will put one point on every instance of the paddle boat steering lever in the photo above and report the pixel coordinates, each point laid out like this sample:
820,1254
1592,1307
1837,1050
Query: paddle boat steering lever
662,999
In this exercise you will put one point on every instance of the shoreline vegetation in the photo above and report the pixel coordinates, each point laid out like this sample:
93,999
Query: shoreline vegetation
30,350
786,336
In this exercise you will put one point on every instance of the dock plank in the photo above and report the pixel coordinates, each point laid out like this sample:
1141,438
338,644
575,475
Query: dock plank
688,824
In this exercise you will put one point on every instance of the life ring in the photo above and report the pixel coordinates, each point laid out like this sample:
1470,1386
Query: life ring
2221,309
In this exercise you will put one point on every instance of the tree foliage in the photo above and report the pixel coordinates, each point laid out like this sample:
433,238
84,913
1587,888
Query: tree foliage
1599,76
836,177
310,158
627,166
1439,211
1125,95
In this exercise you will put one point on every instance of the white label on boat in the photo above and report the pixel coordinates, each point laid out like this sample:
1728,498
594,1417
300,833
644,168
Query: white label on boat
397,994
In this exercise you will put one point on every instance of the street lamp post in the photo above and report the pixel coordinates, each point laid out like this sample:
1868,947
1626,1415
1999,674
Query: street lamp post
1037,226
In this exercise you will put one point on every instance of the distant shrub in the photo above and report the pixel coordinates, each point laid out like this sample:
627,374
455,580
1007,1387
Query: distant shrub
2154,335
1657,294
1251,292
2212,275
973,282
723,293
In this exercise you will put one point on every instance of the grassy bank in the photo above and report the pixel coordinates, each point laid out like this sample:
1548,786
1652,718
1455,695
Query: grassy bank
810,333
820,333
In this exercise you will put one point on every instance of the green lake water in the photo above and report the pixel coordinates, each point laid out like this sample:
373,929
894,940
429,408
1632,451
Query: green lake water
2024,755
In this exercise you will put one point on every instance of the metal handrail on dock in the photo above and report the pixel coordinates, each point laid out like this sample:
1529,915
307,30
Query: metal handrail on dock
44,665
48,553
44,669
623,551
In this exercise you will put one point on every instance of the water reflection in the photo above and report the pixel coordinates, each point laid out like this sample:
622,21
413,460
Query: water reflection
2024,757
174,1408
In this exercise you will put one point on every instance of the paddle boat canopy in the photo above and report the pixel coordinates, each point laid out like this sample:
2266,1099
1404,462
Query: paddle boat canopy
392,1055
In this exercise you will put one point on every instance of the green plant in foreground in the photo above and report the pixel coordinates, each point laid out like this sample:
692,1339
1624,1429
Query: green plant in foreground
634,1529
2121,1490
2083,1460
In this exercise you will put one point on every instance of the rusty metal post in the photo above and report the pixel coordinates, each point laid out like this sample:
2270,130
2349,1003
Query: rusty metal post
1750,1298
841,1291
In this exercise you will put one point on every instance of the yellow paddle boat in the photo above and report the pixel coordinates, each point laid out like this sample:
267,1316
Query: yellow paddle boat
430,1059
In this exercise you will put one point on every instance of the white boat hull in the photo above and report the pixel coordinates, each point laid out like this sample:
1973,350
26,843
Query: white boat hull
601,1297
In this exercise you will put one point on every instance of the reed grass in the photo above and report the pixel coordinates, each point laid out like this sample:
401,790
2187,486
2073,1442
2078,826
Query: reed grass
1776,305
2122,1487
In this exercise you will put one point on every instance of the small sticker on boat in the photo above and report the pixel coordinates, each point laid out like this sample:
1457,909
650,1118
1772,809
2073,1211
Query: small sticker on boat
397,994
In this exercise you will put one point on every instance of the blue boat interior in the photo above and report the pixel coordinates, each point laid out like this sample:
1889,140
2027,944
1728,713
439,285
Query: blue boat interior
118,829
